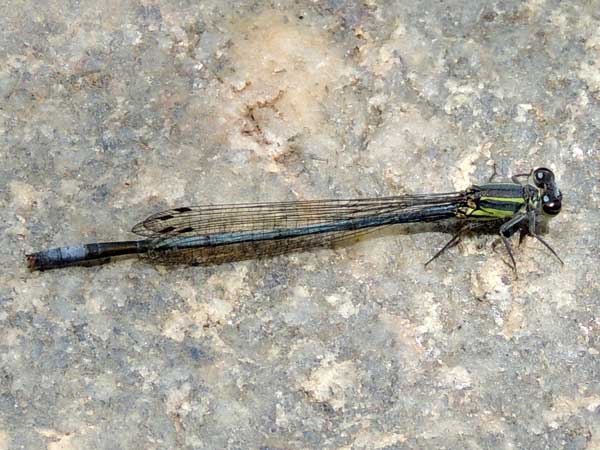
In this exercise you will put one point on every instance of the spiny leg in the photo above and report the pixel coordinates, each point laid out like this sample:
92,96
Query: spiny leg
451,243
515,178
530,229
533,232
494,173
537,236
523,234
509,251
507,230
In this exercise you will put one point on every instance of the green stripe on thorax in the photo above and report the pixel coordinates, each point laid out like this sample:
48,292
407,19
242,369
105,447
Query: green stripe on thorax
495,201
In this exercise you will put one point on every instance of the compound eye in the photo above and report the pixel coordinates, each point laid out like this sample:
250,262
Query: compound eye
551,207
542,177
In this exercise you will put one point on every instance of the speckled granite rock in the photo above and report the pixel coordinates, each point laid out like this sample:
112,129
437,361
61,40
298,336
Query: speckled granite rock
110,111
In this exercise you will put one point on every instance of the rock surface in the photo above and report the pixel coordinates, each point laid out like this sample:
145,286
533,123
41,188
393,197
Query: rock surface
111,111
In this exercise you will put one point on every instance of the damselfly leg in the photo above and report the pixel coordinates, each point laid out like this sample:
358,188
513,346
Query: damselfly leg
532,231
451,243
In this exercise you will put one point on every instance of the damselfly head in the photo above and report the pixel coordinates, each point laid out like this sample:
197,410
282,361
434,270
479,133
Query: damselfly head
551,196
542,177
551,206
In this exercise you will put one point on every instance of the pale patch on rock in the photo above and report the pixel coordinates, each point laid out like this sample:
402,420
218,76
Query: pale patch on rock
560,20
300,307
344,305
488,283
463,177
460,95
406,49
154,182
69,188
177,401
329,382
456,378
523,112
536,6
589,71
4,440
405,332
24,196
176,326
367,439
284,71
231,283
514,322
577,152
397,137
58,440
593,42
201,316
564,407
431,322
281,416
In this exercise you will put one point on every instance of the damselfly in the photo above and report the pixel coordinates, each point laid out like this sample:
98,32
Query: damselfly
214,234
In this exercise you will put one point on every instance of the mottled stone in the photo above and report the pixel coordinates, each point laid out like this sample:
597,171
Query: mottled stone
111,111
